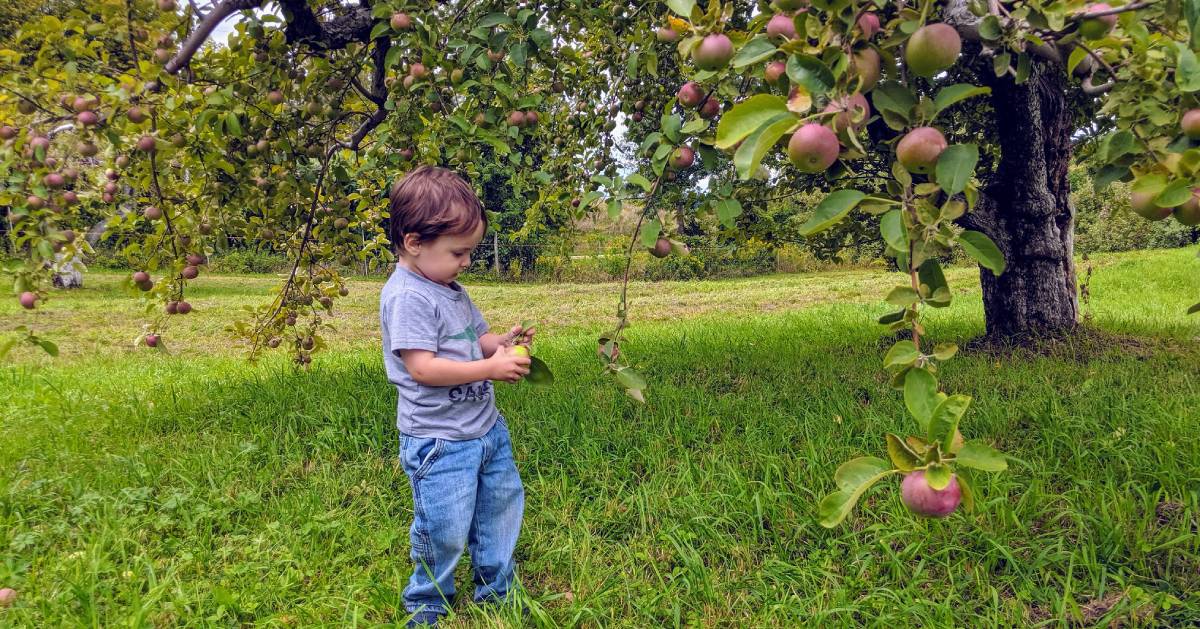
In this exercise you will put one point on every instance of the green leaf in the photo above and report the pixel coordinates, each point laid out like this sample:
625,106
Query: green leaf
810,72
233,125
901,454
944,420
894,97
956,166
539,373
980,456
901,354
1194,309
640,180
1117,144
1187,70
930,275
748,116
831,210
891,227
1078,54
670,127
694,126
892,317
728,210
938,476
903,296
755,147
854,477
989,27
493,19
1174,194
968,490
754,51
956,93
682,8
48,346
1191,10
1107,175
944,351
921,396
650,231
983,250
630,379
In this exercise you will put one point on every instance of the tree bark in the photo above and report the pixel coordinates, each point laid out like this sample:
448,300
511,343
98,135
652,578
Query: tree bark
1026,210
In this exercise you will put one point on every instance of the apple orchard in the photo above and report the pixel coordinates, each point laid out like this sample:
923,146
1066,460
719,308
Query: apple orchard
948,124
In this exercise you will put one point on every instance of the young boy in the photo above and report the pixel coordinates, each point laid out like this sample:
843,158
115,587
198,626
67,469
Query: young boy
438,352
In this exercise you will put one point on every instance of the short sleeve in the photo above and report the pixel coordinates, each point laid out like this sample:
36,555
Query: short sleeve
412,321
481,326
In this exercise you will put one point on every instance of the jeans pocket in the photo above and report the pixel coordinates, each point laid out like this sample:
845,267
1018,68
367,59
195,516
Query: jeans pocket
421,453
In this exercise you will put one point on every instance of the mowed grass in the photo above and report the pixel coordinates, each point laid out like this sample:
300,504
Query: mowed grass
147,489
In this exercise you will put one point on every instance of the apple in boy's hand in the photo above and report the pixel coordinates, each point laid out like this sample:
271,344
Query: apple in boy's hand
520,350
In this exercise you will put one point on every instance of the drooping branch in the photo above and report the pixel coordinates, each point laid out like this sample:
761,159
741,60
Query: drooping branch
205,29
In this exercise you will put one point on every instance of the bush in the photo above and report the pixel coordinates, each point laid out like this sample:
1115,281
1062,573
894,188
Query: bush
247,261
1105,222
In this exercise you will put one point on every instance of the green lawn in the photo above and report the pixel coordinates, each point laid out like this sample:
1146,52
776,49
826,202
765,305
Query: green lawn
148,489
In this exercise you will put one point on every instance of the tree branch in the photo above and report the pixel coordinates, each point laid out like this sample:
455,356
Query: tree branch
205,29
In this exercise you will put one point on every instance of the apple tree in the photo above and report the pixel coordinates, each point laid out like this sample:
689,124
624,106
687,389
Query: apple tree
289,134
973,106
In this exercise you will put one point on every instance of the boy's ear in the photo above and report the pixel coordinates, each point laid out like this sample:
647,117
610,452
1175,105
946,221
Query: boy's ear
411,244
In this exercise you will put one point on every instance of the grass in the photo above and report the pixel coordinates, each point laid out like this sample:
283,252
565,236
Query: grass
146,489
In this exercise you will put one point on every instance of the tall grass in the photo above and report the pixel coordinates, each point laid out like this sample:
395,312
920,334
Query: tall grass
197,490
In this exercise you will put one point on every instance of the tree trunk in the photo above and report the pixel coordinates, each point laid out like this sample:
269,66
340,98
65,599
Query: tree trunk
1026,209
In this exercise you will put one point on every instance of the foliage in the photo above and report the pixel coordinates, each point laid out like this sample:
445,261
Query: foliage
302,121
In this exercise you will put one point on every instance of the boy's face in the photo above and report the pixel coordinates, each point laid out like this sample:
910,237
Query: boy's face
444,257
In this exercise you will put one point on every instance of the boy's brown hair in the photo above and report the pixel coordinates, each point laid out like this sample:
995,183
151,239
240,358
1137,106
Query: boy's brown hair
431,201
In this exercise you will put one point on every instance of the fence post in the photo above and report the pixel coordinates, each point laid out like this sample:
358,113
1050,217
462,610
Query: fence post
496,251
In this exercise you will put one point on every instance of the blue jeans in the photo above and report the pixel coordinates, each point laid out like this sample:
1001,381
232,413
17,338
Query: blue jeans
466,494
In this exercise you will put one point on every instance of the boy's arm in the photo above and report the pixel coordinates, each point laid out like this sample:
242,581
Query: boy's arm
427,369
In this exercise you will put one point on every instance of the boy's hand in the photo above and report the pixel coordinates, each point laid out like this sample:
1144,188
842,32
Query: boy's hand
520,336
508,366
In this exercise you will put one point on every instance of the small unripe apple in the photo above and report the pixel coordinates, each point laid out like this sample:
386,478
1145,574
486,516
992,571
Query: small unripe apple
690,94
195,259
184,307
1191,123
28,300
151,340
666,34
7,132
190,272
7,596
661,248
1097,27
147,144
141,277
401,21
152,212
868,23
54,180
35,202
275,97
136,115
781,28
775,71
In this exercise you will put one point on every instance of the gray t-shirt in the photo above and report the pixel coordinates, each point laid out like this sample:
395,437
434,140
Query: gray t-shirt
418,313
